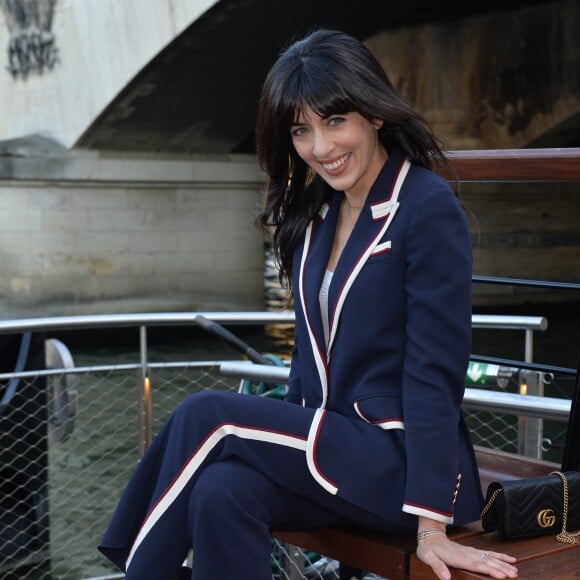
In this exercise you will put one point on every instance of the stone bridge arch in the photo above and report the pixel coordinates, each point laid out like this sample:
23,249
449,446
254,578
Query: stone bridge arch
183,76
102,44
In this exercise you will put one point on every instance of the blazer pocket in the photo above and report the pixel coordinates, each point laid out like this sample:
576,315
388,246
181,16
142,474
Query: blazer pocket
384,411
382,248
380,252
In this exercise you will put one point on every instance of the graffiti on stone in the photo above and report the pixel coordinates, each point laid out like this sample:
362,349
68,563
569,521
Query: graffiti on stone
31,47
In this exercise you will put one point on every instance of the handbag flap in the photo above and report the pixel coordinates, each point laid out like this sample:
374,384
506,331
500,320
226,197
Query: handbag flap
534,506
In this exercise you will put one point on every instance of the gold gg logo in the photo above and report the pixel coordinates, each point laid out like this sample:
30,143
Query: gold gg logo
546,518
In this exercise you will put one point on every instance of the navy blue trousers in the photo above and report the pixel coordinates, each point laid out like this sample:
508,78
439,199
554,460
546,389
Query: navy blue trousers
224,470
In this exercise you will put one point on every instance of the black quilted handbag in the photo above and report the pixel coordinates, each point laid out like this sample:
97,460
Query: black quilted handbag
535,506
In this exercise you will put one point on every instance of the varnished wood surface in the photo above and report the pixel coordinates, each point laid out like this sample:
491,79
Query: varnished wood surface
542,558
385,555
498,465
556,164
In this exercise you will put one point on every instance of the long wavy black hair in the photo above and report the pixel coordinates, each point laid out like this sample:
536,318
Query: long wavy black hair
331,73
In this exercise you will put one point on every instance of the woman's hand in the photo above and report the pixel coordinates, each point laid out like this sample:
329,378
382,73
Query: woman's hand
439,552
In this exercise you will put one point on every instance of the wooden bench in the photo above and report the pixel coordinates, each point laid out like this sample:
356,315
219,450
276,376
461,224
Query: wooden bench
394,556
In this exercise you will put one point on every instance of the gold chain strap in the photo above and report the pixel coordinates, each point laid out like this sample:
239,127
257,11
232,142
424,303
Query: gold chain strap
491,500
565,536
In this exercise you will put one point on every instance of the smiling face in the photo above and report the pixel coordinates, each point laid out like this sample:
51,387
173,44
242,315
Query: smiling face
343,149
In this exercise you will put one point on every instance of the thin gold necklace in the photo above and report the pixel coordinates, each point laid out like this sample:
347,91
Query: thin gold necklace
352,208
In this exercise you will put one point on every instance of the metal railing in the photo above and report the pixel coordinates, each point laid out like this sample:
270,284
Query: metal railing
477,399
121,405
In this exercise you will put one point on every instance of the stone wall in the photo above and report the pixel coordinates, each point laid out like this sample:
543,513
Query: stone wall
526,231
89,234
498,81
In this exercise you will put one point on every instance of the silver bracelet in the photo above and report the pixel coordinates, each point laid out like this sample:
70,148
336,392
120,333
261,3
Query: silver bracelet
429,532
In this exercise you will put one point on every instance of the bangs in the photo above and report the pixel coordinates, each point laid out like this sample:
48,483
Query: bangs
310,87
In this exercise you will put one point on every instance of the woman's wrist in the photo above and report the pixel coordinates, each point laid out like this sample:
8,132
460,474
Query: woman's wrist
426,532
429,527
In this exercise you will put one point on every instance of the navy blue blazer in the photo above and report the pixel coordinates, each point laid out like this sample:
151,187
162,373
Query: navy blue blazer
400,335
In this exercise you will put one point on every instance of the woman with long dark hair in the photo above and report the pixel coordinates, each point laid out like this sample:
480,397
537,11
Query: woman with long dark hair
375,248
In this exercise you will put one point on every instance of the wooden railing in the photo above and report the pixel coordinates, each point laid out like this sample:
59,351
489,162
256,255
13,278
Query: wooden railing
516,164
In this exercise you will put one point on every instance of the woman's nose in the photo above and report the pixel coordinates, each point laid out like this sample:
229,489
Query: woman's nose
321,145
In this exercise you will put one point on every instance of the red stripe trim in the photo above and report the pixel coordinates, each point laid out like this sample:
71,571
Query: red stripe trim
393,184
186,462
387,420
390,196
321,352
383,251
315,454
429,509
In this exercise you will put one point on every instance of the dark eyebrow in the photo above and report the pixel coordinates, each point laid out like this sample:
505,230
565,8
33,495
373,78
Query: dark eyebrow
323,117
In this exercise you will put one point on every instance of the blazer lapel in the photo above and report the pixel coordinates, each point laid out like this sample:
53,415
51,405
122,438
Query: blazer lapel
378,213
317,246
322,234
380,208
